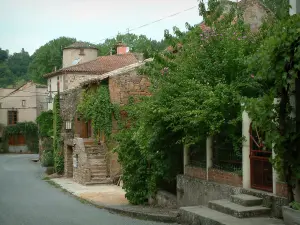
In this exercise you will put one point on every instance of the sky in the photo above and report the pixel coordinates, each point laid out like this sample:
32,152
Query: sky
30,24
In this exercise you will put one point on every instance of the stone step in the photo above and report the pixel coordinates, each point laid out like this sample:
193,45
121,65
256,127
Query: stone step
99,174
91,157
99,181
239,211
246,200
195,215
98,167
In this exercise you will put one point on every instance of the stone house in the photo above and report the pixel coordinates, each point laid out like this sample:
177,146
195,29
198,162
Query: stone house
81,62
86,161
21,104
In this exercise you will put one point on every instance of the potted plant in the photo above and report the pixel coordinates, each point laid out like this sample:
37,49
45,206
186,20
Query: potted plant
291,213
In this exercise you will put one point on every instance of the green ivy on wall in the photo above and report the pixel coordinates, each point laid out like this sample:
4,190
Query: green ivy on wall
57,148
45,124
28,129
96,106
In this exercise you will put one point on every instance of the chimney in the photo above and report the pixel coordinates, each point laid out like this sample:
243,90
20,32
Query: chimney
122,48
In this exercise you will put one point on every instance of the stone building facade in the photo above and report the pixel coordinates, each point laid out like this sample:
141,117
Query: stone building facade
86,161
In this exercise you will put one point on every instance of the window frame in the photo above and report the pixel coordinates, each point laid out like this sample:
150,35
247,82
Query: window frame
12,116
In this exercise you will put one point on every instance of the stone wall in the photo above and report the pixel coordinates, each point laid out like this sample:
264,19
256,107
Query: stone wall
81,170
281,189
193,191
196,172
74,80
121,87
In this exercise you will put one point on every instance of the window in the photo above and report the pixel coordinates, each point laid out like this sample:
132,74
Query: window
0,105
23,103
68,125
12,117
81,51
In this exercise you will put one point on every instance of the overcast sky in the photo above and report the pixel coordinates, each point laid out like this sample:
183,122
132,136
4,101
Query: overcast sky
29,24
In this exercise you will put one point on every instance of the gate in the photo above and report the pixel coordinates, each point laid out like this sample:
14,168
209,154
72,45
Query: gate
260,166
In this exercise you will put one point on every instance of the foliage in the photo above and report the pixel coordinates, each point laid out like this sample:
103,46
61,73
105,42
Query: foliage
276,66
47,57
197,88
96,106
136,43
47,158
28,129
57,140
18,64
3,55
45,124
6,76
280,8
295,205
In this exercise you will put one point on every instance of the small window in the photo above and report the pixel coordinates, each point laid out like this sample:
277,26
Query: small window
68,125
12,117
81,51
57,77
0,105
23,103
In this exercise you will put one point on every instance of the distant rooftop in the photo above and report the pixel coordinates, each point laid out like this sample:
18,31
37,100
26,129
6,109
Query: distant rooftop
80,44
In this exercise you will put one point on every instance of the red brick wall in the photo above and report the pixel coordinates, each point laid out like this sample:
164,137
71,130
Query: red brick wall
224,177
281,189
195,172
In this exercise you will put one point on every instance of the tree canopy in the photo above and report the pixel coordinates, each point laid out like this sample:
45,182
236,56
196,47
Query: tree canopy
47,57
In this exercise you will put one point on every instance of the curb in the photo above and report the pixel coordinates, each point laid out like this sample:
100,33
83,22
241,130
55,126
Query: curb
142,215
121,210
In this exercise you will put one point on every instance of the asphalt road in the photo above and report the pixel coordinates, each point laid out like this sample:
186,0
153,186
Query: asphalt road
25,199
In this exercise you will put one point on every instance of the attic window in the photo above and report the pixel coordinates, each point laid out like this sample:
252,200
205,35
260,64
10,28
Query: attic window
23,103
81,51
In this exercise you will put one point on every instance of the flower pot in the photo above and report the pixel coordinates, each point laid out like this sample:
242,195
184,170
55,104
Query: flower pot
290,216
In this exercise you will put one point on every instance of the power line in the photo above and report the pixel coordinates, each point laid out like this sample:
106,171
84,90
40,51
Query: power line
150,23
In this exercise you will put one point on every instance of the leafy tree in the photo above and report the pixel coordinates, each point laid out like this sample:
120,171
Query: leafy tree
197,88
276,66
136,43
3,55
18,64
47,57
280,8
6,76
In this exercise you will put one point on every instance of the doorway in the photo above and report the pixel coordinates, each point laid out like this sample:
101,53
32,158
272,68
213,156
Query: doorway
69,161
260,165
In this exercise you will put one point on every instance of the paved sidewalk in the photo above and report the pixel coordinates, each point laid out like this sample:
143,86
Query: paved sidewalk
112,198
101,194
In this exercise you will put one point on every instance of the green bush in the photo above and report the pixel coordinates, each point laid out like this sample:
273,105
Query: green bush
47,159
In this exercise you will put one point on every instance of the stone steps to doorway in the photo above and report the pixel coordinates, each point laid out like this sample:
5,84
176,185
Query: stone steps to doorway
240,209
195,215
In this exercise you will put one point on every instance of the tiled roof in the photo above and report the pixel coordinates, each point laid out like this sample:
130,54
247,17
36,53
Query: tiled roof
116,72
101,65
80,44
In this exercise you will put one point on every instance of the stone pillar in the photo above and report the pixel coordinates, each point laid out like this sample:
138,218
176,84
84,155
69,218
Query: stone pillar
246,150
209,155
186,157
295,7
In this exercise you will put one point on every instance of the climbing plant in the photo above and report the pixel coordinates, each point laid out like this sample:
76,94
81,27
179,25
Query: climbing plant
28,129
96,106
197,87
276,65
45,123
57,141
